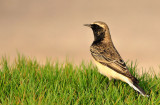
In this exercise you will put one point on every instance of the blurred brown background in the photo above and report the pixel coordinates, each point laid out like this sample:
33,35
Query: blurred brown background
54,29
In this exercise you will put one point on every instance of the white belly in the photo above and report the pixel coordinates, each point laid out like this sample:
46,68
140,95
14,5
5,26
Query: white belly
111,73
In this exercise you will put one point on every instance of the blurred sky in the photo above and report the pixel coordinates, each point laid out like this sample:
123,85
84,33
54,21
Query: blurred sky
54,29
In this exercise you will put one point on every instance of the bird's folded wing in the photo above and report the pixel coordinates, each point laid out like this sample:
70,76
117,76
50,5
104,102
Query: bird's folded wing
114,62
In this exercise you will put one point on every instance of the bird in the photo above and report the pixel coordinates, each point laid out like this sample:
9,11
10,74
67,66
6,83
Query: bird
107,59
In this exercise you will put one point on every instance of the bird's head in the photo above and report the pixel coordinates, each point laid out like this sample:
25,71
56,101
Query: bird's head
100,30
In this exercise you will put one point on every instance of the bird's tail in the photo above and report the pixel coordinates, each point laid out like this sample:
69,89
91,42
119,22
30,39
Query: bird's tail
138,88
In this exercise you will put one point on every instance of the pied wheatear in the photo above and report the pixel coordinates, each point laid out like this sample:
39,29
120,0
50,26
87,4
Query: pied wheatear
107,58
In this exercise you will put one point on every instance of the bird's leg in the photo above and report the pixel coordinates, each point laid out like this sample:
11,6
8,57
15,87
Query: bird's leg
110,80
114,81
108,84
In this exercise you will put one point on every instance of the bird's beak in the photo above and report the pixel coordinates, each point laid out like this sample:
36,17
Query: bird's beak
88,25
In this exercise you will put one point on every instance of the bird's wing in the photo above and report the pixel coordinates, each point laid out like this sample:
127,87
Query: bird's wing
111,58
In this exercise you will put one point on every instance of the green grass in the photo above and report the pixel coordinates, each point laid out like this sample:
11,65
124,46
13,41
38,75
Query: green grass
28,82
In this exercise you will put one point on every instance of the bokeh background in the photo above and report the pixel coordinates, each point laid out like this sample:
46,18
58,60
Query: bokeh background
54,29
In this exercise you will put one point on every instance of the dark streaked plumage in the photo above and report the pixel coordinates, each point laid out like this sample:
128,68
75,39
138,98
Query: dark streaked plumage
107,55
108,60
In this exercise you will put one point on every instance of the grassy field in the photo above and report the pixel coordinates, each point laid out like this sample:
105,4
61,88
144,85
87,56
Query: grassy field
27,82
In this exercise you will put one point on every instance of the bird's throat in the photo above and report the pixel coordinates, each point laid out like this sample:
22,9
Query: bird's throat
102,37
